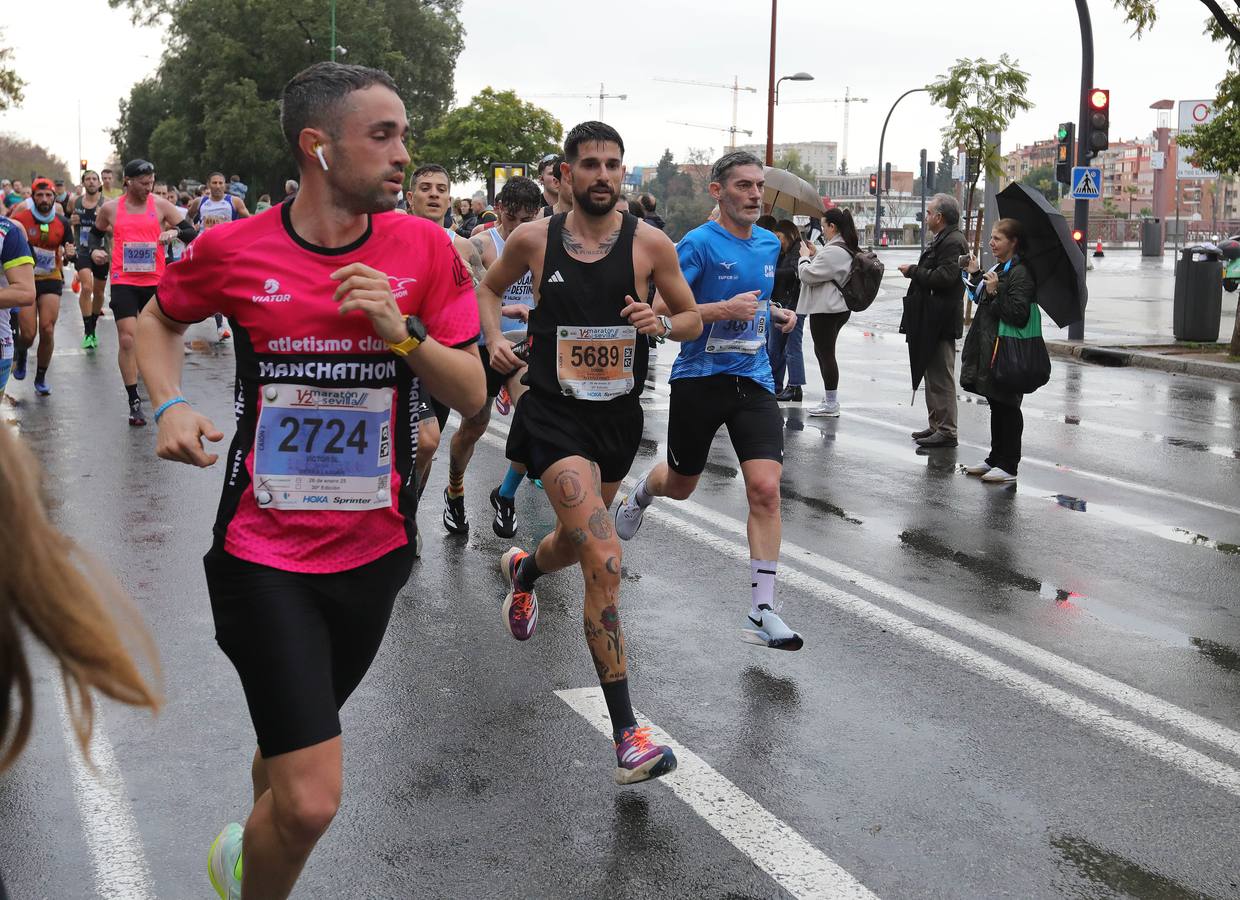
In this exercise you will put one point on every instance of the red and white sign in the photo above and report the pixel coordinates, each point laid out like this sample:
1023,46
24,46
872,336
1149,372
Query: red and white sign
1192,114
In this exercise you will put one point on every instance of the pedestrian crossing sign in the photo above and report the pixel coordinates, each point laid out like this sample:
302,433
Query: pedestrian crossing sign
1086,182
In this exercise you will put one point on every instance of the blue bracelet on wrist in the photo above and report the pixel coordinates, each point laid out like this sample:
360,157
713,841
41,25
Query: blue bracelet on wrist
167,404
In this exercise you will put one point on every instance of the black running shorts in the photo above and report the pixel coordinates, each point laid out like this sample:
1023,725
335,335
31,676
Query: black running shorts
301,643
83,261
128,299
495,380
701,405
44,286
428,406
546,431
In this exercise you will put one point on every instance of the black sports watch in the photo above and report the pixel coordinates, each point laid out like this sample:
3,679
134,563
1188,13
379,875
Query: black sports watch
417,335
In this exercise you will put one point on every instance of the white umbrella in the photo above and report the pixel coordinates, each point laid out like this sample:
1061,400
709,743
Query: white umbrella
790,192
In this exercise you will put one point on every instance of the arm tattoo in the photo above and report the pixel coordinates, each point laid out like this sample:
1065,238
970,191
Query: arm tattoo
476,270
573,245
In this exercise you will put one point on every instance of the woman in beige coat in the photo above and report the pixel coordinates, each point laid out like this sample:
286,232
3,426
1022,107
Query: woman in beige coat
821,271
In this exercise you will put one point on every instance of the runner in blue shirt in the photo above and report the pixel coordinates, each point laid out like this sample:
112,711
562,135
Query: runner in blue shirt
16,288
724,378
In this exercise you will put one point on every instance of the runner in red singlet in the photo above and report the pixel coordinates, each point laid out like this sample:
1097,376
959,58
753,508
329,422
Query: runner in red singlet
343,312
141,225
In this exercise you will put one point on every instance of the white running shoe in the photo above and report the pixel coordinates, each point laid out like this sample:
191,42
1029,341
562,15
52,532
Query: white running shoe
979,469
825,408
629,513
998,476
769,630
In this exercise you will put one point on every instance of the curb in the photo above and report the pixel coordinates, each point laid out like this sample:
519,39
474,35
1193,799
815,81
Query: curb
1143,359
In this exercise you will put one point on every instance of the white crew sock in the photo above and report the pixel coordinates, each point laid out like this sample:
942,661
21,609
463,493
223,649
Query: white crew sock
762,572
833,397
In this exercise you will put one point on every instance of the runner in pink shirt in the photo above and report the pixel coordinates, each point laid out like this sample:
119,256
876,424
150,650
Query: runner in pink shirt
345,314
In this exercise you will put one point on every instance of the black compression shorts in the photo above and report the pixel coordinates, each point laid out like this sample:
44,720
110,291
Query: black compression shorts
428,406
44,286
83,261
700,406
495,380
301,643
129,299
545,431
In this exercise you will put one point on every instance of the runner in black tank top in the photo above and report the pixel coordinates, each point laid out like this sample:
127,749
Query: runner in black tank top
579,425
92,276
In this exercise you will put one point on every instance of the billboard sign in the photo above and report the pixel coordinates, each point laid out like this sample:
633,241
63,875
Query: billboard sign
1192,114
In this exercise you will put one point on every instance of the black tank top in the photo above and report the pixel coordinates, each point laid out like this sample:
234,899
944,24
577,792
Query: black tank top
581,347
86,216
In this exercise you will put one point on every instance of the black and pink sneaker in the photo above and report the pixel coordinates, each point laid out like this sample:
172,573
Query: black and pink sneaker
520,606
640,759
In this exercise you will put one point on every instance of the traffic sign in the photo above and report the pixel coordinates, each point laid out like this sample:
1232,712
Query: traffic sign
1192,114
1086,182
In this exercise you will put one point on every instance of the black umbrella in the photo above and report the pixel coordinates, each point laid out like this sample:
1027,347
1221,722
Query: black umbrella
1050,254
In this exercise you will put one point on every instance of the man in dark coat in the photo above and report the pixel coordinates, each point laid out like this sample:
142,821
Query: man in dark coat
934,319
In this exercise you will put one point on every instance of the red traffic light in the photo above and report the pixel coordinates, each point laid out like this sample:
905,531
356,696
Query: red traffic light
1099,98
1078,235
873,184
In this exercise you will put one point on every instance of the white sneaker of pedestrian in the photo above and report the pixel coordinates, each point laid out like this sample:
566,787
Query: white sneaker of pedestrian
998,476
979,469
826,408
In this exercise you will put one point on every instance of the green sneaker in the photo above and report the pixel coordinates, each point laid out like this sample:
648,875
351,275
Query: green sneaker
94,342
86,342
224,862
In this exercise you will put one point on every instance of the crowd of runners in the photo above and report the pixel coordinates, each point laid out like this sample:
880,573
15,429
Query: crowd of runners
362,320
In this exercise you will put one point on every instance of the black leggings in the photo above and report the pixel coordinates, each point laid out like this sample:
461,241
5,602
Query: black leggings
1007,424
824,328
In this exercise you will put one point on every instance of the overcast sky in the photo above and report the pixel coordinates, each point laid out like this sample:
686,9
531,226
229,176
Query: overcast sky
878,49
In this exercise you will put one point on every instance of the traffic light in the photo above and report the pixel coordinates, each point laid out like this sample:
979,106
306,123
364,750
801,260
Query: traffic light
874,184
1079,237
1065,154
1098,102
887,179
84,166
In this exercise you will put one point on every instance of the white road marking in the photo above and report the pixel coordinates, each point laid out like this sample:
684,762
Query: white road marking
794,863
1139,701
108,823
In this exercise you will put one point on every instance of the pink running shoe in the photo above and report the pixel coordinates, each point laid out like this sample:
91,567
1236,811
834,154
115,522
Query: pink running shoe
640,759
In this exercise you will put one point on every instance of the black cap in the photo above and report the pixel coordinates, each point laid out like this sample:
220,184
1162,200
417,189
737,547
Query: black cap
136,168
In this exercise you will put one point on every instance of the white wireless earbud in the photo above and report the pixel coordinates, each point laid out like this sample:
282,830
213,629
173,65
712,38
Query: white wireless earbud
318,151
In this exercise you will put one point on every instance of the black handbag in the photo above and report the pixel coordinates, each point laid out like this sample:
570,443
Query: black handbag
1020,361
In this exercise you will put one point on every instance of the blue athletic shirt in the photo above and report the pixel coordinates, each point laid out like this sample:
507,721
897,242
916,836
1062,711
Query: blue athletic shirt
14,252
718,266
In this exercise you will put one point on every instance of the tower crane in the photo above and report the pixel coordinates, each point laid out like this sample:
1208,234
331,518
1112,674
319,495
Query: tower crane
731,132
601,96
847,100
735,87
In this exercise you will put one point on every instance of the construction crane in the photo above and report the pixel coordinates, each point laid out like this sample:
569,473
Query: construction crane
732,132
735,87
601,96
847,100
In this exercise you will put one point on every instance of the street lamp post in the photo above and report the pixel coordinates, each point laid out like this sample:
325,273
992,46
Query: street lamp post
333,4
878,193
772,94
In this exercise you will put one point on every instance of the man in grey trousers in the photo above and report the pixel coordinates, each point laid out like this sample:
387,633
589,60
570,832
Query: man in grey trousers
933,319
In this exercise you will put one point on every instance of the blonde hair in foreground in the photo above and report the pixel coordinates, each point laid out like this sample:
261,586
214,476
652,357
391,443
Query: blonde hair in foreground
44,589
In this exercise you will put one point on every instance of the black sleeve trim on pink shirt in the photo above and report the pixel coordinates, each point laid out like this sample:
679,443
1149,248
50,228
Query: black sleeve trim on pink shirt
286,218
174,318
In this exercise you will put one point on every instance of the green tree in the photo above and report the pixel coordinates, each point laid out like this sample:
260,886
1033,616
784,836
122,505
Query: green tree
664,172
982,98
689,201
791,161
213,102
19,158
1043,179
496,126
10,85
943,181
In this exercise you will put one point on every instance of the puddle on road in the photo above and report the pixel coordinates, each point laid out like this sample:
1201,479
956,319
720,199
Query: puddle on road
1158,529
1119,873
1219,654
989,569
788,492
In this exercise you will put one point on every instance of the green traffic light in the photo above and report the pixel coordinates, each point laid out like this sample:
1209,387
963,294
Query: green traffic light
1063,133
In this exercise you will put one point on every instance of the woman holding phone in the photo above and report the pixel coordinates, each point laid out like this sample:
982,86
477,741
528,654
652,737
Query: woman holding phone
821,272
1004,293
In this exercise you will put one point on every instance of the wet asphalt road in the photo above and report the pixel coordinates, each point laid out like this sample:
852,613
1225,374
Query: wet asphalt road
1022,691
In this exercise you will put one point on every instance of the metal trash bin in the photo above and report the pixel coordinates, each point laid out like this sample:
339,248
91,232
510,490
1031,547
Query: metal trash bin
1151,237
1198,304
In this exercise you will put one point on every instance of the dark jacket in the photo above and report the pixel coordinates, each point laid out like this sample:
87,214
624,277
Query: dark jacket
787,285
468,224
656,220
1011,303
934,303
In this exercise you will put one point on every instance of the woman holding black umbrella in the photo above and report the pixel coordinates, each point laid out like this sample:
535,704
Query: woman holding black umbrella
1005,293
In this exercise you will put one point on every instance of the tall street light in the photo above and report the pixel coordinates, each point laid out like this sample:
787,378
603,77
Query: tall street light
772,95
